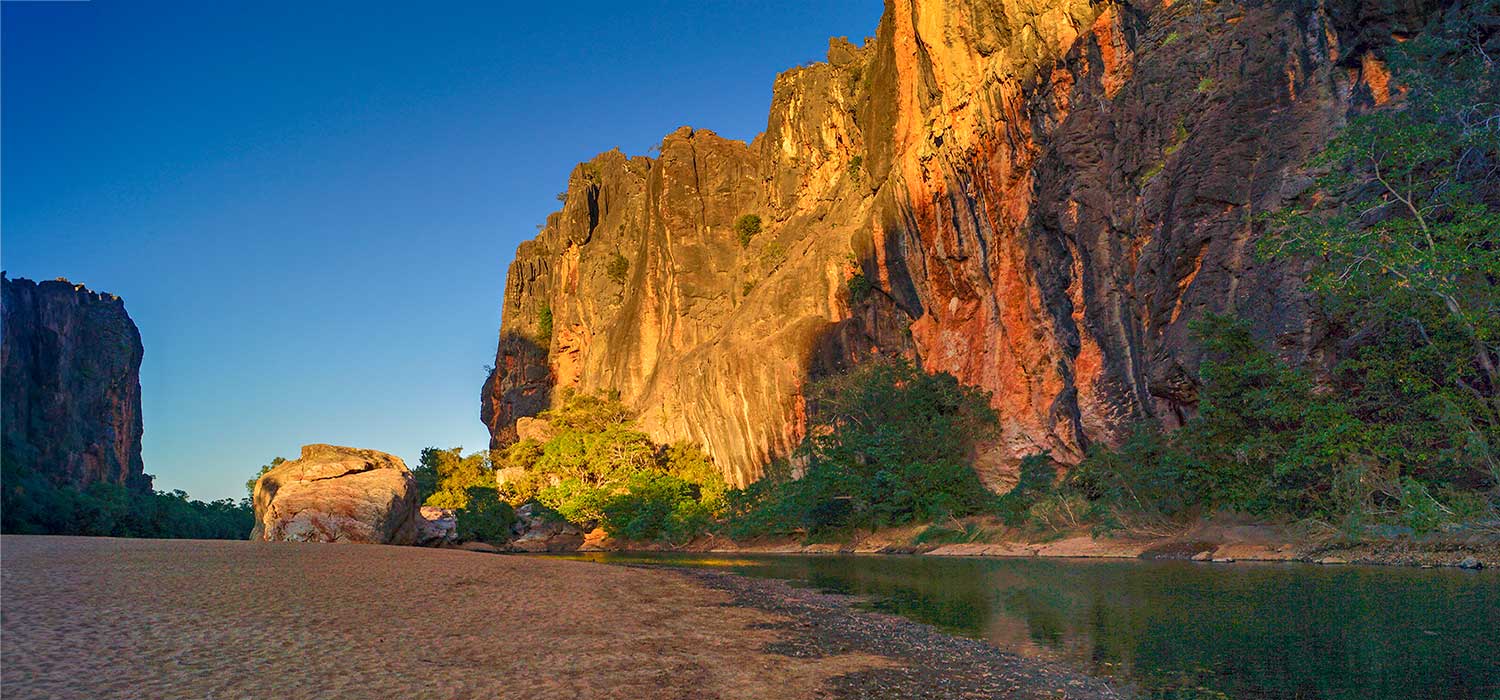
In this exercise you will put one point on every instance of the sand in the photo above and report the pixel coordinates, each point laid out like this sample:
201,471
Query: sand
119,618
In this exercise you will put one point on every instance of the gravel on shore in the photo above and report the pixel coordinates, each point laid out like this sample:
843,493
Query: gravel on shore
929,663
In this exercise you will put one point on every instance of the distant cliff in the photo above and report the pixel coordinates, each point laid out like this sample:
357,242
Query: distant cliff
71,404
1036,196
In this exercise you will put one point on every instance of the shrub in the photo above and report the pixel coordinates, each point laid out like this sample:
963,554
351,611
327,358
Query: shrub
859,288
773,257
485,517
888,444
745,228
654,505
598,469
544,326
617,267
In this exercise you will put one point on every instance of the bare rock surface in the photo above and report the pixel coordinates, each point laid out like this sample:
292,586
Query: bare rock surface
436,526
337,494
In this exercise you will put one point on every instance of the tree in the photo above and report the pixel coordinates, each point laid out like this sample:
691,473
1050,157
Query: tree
1404,238
444,477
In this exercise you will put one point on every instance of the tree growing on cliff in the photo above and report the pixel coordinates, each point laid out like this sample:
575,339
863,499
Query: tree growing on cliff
746,227
1404,239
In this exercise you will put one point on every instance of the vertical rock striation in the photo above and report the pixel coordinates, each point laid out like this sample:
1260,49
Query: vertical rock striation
1036,196
71,401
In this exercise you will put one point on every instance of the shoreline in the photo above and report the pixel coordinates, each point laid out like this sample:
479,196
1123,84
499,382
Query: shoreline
1212,544
936,664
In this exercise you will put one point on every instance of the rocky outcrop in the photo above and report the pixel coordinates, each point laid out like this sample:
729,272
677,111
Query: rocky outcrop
71,398
436,527
337,494
536,531
1036,196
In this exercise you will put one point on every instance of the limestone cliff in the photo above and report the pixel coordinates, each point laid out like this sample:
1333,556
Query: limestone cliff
71,398
1036,196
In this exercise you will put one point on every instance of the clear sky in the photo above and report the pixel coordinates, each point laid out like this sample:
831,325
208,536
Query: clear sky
309,207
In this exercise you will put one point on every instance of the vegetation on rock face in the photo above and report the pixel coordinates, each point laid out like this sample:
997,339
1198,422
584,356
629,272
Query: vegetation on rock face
597,468
1404,428
746,227
617,267
544,326
35,505
887,444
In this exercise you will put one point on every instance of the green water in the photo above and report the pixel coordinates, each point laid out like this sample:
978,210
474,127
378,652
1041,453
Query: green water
1187,630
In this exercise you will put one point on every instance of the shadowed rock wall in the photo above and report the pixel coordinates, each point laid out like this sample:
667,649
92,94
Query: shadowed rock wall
71,397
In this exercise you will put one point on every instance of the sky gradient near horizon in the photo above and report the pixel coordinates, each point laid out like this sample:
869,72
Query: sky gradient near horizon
309,208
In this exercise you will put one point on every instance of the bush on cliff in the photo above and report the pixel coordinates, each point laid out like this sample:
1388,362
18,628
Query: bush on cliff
887,444
745,228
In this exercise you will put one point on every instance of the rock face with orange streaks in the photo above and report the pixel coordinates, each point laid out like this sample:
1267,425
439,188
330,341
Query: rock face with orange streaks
1037,197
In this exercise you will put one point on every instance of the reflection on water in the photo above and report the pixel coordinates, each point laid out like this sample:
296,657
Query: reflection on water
1186,630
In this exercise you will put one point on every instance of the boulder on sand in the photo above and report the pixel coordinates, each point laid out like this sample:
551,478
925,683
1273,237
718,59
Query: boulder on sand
436,527
337,494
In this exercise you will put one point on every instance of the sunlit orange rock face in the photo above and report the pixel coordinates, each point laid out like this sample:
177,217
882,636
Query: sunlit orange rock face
1041,195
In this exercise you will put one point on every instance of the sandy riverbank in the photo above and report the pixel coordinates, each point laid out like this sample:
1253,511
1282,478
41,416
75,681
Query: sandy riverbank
118,618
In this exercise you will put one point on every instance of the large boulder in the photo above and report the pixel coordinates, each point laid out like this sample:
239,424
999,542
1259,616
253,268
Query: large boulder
337,494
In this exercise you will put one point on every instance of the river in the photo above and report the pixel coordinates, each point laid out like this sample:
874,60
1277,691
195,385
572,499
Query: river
1183,629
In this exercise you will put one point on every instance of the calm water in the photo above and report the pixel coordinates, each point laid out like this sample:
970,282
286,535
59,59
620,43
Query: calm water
1187,630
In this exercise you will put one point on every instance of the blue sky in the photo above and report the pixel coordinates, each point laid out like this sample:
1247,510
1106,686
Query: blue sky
309,207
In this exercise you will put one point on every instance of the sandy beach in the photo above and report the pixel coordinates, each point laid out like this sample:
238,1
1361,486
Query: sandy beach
121,618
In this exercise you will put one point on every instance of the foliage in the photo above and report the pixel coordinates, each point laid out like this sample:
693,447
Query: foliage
855,164
250,485
484,517
887,444
465,484
773,256
746,227
34,504
655,505
597,468
617,267
544,325
859,288
445,477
